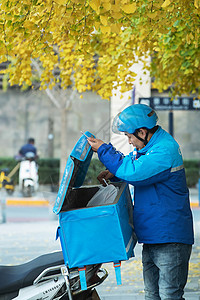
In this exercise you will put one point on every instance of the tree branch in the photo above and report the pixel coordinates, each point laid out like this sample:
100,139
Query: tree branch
48,91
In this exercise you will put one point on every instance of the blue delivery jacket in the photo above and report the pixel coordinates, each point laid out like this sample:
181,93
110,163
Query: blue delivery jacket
162,211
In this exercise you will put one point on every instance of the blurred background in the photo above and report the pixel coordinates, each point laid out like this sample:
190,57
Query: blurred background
32,113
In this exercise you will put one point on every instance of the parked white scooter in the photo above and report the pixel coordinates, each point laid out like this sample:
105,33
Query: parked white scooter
47,278
28,175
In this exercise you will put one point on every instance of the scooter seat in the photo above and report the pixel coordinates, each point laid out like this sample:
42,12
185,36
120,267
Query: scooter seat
13,278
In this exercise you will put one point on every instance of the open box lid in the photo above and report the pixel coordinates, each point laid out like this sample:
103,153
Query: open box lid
75,170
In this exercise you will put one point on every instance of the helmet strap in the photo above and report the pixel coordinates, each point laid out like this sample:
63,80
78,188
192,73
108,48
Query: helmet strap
145,141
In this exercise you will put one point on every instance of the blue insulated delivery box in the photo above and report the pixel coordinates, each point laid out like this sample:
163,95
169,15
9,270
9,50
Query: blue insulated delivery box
92,234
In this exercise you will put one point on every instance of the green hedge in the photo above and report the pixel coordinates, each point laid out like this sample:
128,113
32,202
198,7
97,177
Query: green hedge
192,164
192,176
49,171
7,162
192,171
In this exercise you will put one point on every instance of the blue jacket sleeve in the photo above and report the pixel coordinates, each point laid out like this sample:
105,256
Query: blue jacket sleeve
150,168
107,152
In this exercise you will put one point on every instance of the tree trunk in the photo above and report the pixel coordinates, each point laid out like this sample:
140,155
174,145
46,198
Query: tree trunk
50,137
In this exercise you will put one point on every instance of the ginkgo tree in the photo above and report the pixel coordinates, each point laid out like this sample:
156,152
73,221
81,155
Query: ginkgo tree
93,43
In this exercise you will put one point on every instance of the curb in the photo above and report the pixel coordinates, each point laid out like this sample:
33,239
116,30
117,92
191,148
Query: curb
194,204
44,202
26,202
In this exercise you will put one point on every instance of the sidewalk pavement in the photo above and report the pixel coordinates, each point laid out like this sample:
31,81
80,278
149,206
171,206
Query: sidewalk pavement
23,241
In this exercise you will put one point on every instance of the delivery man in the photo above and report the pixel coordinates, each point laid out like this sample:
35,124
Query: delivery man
162,215
28,147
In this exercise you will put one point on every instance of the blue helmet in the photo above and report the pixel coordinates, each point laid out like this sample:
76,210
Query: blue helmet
134,117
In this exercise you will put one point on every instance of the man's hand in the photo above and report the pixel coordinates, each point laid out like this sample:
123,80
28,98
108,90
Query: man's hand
95,143
104,176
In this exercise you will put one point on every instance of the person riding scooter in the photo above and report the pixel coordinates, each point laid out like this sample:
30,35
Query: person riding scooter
28,170
29,147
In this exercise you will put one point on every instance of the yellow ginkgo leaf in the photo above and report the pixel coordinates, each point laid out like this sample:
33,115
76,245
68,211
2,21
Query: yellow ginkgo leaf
97,25
105,29
196,3
115,8
157,3
166,3
95,4
104,20
106,5
117,15
61,2
152,15
188,38
28,24
196,63
115,28
129,8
